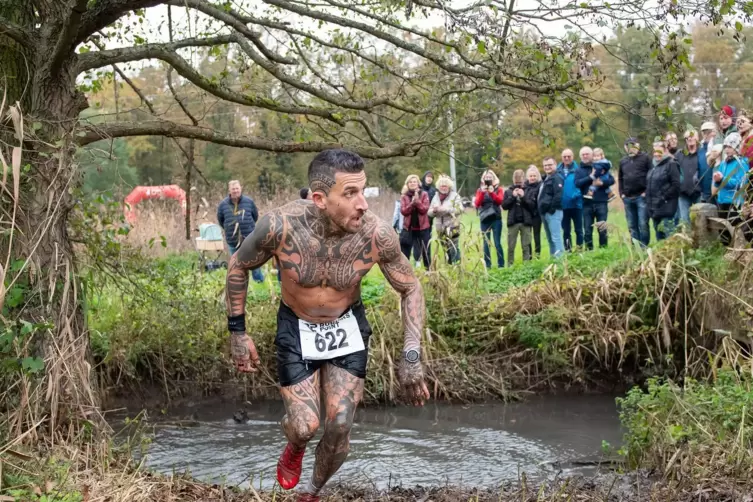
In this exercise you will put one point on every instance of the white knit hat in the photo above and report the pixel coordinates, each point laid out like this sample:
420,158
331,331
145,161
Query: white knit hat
733,140
708,126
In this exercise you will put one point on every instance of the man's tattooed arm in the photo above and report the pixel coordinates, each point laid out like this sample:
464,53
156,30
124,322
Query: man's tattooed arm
255,250
399,274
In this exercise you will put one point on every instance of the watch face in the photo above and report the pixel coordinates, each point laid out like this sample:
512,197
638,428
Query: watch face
411,356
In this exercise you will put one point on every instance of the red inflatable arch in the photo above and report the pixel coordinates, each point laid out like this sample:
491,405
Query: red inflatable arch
155,192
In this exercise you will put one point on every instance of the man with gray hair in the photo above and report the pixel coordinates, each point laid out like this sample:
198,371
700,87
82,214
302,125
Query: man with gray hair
572,199
237,215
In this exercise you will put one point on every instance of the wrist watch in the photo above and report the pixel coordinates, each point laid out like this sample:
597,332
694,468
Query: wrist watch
411,355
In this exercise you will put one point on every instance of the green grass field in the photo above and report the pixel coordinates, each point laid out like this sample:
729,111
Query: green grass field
496,280
471,243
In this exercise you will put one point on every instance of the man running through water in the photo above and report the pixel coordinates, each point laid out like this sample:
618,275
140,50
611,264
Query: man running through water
325,246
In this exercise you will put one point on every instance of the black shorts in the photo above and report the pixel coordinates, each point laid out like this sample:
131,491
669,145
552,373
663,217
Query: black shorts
293,369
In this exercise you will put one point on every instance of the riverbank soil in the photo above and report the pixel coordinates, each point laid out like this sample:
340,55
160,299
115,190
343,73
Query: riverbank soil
136,486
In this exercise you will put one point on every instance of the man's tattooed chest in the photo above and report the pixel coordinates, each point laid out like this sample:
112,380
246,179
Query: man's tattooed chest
337,263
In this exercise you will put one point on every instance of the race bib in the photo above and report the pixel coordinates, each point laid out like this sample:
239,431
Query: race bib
329,340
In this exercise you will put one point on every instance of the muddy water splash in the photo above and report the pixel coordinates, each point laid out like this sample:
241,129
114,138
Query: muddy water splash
477,445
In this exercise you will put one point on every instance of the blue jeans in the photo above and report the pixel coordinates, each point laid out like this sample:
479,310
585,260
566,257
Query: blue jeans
256,273
683,208
572,216
493,227
664,227
553,229
637,219
594,212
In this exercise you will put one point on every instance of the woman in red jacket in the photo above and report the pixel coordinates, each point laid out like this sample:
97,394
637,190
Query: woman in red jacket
488,201
416,233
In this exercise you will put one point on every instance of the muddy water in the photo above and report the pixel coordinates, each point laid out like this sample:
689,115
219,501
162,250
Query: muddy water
478,445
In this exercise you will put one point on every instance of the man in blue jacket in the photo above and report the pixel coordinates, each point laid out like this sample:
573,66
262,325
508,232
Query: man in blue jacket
572,200
237,215
595,209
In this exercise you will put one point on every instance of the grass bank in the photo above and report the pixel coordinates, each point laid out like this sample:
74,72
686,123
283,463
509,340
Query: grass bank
603,319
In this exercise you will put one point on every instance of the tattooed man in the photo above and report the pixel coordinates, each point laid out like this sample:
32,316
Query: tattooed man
324,247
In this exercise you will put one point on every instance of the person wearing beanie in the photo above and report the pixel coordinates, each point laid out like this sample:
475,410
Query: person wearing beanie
707,141
727,120
631,179
730,180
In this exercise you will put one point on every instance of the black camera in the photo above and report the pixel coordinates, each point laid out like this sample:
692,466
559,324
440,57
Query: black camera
488,182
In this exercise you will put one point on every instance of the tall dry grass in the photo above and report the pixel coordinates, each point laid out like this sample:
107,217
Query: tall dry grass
160,229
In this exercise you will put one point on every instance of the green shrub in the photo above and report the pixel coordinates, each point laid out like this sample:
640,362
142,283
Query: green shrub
668,424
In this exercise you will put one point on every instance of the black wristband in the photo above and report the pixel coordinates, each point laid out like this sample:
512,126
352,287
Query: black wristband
236,323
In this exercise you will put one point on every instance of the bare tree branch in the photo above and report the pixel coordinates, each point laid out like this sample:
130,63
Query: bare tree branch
285,27
164,52
92,133
15,32
418,50
98,59
231,19
408,29
105,12
314,71
319,93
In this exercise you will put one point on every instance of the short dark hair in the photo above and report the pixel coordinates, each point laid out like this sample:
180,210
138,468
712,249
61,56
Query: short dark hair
304,193
549,158
326,164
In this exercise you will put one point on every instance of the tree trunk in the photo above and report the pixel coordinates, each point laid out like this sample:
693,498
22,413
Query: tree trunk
53,303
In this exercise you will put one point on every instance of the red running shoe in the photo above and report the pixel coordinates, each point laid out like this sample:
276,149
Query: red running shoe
307,497
289,467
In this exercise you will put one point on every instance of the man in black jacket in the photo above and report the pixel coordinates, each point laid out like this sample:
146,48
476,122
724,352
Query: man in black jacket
690,190
550,206
631,177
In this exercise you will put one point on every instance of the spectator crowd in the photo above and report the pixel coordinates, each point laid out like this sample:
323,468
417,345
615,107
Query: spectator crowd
570,199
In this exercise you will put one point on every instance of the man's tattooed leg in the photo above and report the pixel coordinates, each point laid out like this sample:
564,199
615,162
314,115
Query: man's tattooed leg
300,423
342,393
302,401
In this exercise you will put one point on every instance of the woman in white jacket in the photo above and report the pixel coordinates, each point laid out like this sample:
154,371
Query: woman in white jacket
446,208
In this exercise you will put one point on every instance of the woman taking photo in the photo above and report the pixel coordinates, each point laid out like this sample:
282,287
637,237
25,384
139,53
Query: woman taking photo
416,233
446,208
488,201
